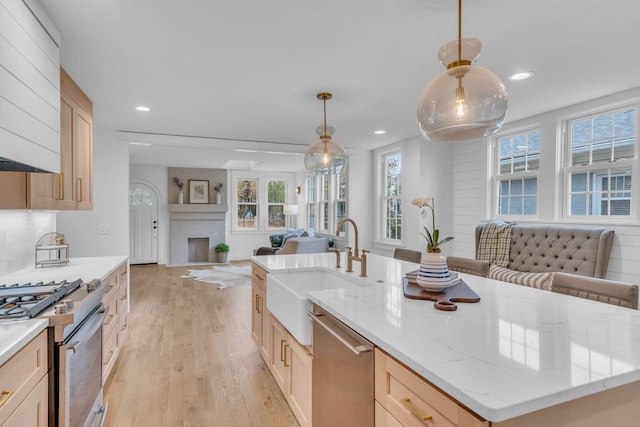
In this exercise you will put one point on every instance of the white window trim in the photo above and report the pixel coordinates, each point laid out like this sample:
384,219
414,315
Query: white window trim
379,216
262,209
495,173
332,201
564,170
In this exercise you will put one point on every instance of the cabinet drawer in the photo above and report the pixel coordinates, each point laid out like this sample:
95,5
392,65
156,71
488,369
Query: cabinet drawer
121,274
111,282
111,320
109,353
122,329
20,374
413,401
259,277
384,418
122,298
33,411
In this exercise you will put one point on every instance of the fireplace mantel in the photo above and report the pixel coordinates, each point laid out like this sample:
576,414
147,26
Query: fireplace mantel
197,208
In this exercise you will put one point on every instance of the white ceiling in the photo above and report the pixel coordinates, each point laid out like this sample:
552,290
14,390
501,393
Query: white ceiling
243,75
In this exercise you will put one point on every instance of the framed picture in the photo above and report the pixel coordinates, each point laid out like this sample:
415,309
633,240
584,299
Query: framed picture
198,191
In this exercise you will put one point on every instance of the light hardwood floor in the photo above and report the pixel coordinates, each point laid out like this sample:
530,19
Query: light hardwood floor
189,360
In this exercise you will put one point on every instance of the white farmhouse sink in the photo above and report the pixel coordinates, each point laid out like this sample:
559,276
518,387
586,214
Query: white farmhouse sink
287,298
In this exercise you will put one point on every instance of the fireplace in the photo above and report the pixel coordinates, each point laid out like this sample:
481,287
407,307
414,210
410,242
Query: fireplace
195,230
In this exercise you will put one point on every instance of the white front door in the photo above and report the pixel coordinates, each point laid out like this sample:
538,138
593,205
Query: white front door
143,224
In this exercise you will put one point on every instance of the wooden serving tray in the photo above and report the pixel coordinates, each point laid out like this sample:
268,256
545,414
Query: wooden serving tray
445,299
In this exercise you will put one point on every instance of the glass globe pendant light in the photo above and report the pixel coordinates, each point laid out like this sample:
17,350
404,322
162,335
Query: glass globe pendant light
325,156
465,101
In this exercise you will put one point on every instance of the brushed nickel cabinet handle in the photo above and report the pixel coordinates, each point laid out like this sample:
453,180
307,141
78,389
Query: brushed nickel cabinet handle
259,306
255,303
6,394
61,186
282,357
406,402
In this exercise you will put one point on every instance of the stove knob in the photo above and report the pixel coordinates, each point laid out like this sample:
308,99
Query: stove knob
93,285
61,308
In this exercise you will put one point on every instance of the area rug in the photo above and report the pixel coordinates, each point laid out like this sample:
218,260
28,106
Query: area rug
222,276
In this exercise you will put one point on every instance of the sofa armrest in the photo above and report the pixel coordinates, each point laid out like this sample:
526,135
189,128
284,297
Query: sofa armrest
469,266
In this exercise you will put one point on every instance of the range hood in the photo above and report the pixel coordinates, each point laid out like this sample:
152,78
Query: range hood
7,165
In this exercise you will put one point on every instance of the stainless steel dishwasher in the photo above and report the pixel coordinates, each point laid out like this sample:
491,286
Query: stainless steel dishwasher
342,387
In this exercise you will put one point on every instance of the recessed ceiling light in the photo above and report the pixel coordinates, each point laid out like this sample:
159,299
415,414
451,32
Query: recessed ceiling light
143,108
521,76
380,132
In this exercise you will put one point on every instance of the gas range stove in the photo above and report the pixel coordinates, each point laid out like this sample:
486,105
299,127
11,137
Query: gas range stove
65,303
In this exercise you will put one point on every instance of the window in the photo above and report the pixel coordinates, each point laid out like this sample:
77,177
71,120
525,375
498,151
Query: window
259,199
311,204
392,196
139,197
247,198
341,198
276,196
516,177
600,163
328,203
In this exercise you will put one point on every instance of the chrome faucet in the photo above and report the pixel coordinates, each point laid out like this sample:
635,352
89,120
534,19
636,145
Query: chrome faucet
351,256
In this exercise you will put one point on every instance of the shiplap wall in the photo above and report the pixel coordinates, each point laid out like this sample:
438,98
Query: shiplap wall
471,191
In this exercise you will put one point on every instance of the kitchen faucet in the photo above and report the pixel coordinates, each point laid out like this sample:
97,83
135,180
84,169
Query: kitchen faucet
354,257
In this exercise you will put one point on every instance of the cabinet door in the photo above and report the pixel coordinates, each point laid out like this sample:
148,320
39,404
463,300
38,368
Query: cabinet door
279,347
83,159
41,188
265,348
256,315
34,409
299,384
13,190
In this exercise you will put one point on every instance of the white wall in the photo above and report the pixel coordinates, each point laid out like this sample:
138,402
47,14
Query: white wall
19,233
110,203
471,192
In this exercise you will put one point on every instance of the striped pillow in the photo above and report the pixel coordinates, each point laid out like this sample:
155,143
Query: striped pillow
532,280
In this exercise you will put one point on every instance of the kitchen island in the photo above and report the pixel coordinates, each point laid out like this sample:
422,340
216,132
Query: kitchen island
519,356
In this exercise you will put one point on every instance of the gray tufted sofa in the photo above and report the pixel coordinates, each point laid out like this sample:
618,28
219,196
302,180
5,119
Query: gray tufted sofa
535,248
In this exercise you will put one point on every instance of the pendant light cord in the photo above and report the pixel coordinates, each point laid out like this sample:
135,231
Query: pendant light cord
459,31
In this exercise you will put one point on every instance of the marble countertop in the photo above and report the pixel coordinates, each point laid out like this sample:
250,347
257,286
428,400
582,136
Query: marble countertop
516,351
16,334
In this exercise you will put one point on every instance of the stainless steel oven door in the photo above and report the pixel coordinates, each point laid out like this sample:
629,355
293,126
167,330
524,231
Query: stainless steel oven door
80,373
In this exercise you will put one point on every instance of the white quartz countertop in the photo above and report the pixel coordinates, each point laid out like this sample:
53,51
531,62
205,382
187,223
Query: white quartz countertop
85,268
16,334
516,351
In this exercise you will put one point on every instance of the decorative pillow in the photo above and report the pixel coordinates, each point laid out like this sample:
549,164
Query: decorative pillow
532,280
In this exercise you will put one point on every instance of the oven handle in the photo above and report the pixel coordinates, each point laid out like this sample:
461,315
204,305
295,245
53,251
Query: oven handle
97,323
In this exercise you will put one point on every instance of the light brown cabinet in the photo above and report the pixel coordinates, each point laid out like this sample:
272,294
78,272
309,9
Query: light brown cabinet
72,188
404,398
24,385
290,362
260,322
291,367
115,329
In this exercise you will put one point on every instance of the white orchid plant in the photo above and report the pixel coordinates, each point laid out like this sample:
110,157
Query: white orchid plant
433,244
